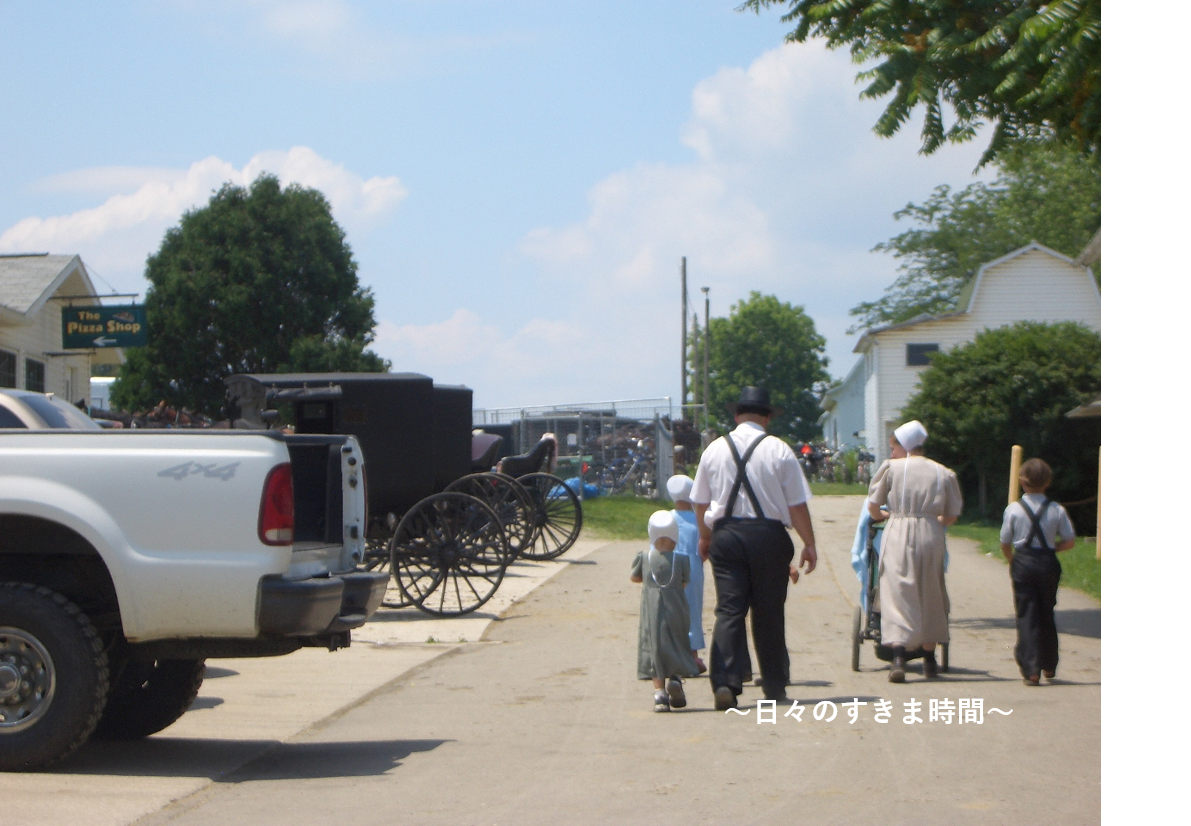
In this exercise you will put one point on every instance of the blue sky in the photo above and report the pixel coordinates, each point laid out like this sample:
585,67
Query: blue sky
518,180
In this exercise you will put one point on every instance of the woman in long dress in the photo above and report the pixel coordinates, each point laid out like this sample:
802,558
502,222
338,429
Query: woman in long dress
923,498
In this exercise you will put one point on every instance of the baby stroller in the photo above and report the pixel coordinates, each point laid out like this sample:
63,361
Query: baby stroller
866,619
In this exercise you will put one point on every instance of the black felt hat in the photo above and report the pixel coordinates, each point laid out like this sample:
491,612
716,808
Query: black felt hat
755,398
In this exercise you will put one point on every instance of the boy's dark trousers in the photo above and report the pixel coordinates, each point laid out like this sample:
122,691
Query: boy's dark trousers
1035,576
750,559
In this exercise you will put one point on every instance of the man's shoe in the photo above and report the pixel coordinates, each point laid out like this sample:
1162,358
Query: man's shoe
674,691
775,692
1031,680
661,701
897,670
725,698
930,668
1049,675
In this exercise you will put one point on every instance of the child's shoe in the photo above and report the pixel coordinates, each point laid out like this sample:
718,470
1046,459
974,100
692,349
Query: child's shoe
674,692
661,701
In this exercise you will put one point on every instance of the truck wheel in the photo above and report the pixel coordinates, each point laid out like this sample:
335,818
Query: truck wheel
53,676
149,696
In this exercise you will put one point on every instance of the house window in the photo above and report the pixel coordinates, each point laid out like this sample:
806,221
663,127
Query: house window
918,355
8,369
34,376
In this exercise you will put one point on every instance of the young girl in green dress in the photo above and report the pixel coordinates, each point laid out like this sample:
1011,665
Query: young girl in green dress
663,644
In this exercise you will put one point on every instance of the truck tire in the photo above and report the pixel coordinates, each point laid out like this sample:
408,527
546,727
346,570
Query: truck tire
148,697
53,676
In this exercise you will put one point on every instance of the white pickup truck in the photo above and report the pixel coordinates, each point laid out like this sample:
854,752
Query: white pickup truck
129,557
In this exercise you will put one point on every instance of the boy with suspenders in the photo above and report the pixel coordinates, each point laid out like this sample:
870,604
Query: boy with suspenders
1028,540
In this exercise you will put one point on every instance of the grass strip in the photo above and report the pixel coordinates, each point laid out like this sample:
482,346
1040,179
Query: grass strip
619,517
1081,569
838,489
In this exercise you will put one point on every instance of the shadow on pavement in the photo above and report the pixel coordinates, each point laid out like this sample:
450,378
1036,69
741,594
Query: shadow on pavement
1081,622
984,623
417,615
163,757
292,761
205,702
214,673
235,761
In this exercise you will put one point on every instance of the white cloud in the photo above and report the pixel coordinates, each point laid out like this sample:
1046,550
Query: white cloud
788,191
115,237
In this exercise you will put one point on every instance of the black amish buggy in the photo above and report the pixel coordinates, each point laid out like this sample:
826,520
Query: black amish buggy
440,517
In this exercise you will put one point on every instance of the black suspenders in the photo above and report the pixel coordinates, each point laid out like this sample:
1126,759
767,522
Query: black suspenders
742,477
1036,527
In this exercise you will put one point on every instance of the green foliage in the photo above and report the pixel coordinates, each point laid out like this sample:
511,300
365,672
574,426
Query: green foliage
1081,568
1048,194
1014,385
1030,67
620,517
838,489
259,280
769,343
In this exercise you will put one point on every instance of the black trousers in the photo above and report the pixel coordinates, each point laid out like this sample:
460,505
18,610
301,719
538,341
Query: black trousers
750,559
1035,591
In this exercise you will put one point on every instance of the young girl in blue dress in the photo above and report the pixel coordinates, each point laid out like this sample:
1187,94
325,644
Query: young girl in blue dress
663,641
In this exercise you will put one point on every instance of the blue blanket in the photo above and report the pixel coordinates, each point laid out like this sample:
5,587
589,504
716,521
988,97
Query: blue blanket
860,554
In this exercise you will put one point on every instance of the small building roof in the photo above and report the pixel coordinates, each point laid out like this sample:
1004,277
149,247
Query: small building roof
967,295
28,280
1086,410
831,397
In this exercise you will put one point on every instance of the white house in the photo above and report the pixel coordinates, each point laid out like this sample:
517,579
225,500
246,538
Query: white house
33,290
843,405
1033,283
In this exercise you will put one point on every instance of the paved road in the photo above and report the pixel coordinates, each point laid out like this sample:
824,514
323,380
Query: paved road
543,722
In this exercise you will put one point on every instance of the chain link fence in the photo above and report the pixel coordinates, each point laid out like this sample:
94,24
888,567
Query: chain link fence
623,446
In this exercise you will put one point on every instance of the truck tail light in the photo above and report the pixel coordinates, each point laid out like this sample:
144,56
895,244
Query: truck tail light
276,523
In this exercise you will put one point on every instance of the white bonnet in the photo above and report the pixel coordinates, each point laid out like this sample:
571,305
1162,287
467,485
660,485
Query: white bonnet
663,523
910,435
679,488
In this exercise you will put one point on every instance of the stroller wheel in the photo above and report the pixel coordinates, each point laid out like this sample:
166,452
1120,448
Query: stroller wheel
858,637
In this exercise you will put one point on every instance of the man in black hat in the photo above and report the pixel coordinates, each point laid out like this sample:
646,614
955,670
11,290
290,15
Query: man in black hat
749,488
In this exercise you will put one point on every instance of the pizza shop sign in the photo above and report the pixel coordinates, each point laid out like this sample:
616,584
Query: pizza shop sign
97,327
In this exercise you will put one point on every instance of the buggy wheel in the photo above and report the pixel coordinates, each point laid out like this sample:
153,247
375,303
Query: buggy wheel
857,636
377,555
944,659
449,554
558,516
508,498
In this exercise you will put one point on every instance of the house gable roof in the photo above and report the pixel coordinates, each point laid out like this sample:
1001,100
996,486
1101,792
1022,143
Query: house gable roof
830,398
967,296
28,281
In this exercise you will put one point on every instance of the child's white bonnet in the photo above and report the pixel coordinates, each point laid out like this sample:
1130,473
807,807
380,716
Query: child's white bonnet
663,523
679,488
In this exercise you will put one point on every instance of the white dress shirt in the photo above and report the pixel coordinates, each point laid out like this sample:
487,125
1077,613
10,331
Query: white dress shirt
773,471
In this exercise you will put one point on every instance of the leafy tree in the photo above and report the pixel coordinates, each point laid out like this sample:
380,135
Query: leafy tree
1029,66
258,280
770,343
1044,193
1014,385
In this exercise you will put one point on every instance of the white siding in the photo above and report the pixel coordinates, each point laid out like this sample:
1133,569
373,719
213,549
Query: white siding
1035,286
1032,286
43,334
872,421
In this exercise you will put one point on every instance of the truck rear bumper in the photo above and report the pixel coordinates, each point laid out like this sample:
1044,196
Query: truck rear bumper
310,607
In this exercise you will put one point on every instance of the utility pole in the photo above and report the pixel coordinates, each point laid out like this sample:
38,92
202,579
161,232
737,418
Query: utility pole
706,357
682,403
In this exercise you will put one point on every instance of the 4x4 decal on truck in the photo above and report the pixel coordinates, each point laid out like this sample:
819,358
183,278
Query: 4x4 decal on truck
211,471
